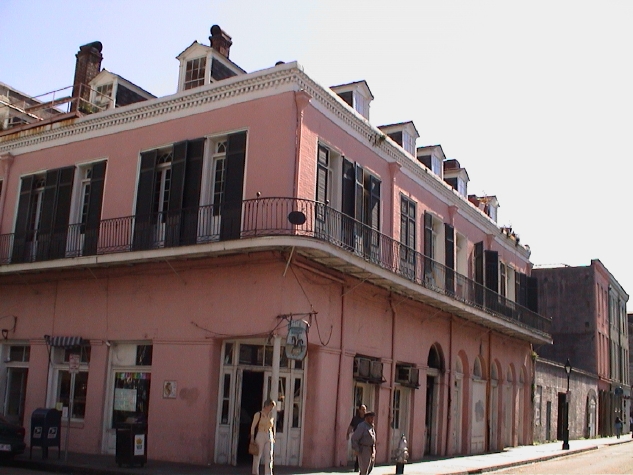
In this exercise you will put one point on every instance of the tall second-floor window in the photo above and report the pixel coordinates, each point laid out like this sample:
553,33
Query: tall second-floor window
43,214
407,222
407,236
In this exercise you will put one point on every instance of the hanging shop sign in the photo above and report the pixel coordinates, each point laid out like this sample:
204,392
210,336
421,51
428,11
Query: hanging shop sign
297,340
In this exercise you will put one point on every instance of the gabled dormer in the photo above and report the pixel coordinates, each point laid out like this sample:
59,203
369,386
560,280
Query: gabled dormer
201,64
432,157
456,176
109,90
357,95
487,204
404,134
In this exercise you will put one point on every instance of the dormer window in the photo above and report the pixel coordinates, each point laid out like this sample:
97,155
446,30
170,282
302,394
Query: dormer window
109,90
201,64
404,134
195,72
103,96
456,176
432,157
357,95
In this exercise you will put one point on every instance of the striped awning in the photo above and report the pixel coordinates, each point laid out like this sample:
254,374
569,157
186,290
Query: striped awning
65,341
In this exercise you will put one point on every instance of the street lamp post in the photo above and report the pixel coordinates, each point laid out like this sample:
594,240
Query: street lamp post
566,418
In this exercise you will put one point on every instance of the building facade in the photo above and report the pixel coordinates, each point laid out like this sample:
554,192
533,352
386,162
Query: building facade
589,327
254,236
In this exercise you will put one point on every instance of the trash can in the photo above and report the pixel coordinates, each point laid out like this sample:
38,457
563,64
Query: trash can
131,444
46,430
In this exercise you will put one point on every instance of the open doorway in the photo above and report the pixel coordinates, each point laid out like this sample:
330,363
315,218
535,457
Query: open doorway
250,403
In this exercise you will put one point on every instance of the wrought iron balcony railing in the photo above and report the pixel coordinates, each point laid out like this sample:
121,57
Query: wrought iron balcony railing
258,218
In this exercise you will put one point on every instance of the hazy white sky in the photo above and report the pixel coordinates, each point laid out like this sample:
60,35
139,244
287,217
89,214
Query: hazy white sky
533,98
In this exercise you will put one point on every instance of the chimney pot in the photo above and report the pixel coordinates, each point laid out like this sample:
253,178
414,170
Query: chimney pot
220,41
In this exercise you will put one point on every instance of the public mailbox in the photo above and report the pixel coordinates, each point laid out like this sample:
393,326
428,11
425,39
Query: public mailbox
45,430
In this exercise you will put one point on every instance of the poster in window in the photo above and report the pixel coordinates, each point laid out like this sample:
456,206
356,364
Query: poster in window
125,399
169,389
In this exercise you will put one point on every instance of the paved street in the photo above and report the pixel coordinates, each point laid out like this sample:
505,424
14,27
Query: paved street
599,459
614,459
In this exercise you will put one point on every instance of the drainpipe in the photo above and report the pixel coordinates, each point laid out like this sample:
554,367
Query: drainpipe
302,99
338,427
489,390
393,362
449,386
6,160
274,379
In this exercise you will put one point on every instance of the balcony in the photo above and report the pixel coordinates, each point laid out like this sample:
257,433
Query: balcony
350,246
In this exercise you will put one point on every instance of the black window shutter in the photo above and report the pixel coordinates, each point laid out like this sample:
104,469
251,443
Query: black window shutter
478,253
178,166
532,293
322,174
517,287
374,202
428,235
93,220
449,259
359,194
48,203
47,214
22,221
429,252
144,199
449,245
522,295
492,270
231,213
61,216
374,215
349,181
191,193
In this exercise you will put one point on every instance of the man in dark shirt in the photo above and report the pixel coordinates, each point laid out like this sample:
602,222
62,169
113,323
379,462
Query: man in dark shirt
364,444
357,419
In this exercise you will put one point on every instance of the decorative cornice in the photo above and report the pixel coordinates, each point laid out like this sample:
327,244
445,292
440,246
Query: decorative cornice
268,82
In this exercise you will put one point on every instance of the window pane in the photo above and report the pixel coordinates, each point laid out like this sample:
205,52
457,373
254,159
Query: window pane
144,355
79,398
19,353
228,353
131,398
296,404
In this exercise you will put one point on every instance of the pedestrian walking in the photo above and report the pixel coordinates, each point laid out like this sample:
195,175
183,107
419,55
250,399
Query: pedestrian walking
263,434
357,419
364,444
618,427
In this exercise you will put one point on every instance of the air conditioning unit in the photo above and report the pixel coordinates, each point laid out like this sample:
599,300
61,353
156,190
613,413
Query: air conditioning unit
376,371
362,367
408,376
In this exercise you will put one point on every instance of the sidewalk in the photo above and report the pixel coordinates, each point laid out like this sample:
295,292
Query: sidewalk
85,464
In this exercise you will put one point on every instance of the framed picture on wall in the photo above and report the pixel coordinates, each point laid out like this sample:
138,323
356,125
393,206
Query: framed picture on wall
169,389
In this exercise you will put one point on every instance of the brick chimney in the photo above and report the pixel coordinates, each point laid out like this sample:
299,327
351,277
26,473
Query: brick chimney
220,41
87,67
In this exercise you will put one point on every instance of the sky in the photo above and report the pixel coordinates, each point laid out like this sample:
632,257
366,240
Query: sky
534,99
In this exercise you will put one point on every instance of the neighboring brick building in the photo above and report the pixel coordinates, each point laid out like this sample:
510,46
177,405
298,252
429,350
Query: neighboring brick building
178,244
550,387
588,310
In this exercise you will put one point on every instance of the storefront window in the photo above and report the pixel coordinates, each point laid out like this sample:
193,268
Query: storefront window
131,398
79,396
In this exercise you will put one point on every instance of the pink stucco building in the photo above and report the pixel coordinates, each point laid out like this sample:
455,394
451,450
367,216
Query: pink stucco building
171,242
